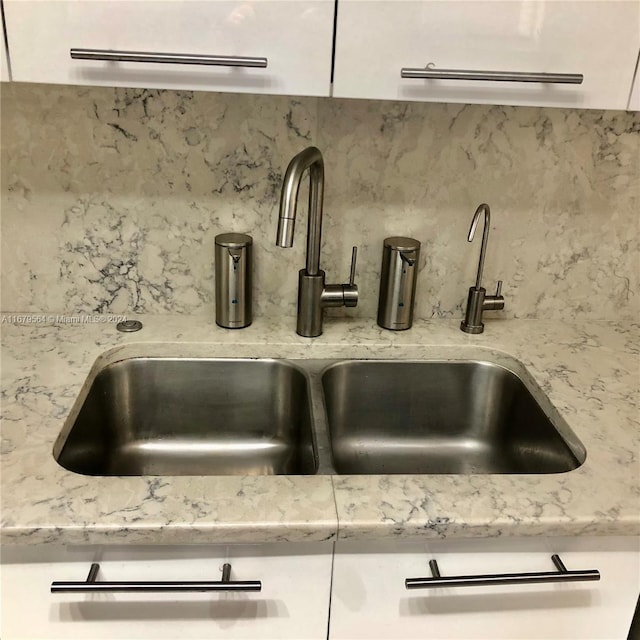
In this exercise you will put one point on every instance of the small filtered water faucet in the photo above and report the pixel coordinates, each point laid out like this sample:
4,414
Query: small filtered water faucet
478,300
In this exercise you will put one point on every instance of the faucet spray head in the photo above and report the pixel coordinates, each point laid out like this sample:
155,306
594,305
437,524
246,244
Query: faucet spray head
284,235
288,205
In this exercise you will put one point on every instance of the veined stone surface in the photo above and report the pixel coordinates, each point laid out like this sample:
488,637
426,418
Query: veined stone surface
588,371
111,199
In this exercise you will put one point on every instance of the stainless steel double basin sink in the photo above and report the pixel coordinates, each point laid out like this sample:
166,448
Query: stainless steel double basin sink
173,416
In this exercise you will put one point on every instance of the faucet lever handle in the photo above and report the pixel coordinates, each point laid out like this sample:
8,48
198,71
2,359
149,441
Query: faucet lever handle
350,290
494,303
352,272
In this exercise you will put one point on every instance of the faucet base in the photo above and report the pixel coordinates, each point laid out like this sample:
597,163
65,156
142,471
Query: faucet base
472,322
471,328
310,288
477,302
314,296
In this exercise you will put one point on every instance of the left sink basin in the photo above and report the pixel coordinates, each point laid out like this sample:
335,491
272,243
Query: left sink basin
174,416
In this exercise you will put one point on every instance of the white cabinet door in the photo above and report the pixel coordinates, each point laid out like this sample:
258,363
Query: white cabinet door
293,603
598,39
369,598
634,100
294,37
4,66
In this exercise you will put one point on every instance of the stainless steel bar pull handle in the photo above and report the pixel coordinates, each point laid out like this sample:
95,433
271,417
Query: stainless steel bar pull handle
91,585
109,55
561,575
431,73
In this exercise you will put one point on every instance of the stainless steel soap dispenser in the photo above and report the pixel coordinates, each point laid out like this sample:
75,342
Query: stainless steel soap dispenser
234,265
400,257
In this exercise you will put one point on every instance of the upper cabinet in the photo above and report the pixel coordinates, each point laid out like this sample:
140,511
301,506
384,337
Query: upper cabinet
634,100
4,65
488,51
558,53
264,46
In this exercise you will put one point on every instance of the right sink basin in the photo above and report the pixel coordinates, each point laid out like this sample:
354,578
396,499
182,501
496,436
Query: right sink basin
442,417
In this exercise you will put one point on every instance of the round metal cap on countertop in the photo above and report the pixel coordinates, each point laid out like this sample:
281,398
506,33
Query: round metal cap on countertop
400,243
233,240
129,326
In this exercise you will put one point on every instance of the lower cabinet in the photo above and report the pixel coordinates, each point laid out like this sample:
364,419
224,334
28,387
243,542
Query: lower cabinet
506,588
370,600
293,602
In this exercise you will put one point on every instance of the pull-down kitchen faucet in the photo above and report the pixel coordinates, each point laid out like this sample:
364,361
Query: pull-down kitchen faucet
313,294
478,300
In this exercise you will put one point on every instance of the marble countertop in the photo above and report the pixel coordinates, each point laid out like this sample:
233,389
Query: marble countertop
590,373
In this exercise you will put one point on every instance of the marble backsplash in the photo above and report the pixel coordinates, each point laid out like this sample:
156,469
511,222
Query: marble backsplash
111,199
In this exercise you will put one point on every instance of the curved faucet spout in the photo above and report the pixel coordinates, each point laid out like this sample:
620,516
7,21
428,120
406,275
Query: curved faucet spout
485,237
310,158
